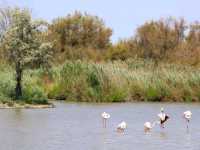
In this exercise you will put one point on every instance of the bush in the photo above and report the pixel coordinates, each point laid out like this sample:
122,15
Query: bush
81,81
33,94
7,84
117,95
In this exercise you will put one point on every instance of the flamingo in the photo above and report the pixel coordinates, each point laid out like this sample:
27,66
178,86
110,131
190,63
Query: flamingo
105,116
122,126
187,115
162,117
148,126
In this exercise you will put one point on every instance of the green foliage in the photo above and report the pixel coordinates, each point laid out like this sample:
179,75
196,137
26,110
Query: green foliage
118,81
21,42
3,98
33,91
117,94
7,84
22,47
7,101
34,94
137,68
152,94
85,82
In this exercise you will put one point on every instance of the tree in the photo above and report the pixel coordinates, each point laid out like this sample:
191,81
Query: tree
23,47
5,21
157,38
77,31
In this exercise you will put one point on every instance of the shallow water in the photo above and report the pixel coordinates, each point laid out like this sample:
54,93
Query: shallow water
78,126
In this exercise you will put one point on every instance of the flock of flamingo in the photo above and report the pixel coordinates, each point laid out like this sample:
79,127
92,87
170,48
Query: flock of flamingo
148,125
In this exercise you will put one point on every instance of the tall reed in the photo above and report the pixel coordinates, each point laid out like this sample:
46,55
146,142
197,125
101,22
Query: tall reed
117,81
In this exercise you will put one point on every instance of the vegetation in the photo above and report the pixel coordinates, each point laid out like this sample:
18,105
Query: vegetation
22,46
159,63
79,36
33,93
171,40
121,81
118,81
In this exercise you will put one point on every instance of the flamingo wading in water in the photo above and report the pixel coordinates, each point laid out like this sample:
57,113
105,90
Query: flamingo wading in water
148,126
122,126
163,117
187,115
105,116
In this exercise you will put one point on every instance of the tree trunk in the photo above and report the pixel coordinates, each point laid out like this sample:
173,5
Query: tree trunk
18,89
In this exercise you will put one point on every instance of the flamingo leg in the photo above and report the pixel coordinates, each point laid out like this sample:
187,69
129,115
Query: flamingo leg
188,121
104,123
162,125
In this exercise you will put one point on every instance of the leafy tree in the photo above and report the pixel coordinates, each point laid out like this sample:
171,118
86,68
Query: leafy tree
157,39
22,46
77,31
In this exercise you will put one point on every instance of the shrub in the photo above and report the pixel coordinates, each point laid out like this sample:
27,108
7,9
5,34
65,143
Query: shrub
7,84
33,94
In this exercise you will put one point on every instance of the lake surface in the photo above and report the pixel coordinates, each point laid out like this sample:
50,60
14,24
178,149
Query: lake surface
78,126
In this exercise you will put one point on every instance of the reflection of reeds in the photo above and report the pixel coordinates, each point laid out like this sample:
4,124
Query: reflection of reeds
113,81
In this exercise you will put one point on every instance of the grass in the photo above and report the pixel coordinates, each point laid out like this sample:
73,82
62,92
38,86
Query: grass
118,81
125,81
33,92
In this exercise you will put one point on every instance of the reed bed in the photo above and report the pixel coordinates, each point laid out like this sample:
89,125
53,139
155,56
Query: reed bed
119,81
126,81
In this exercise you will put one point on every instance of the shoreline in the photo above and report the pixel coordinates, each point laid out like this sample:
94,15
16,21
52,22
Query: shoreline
27,106
124,102
52,105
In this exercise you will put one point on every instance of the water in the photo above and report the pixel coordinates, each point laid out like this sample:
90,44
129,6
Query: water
78,126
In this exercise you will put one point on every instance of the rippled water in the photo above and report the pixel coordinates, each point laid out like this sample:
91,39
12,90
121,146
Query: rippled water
78,126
